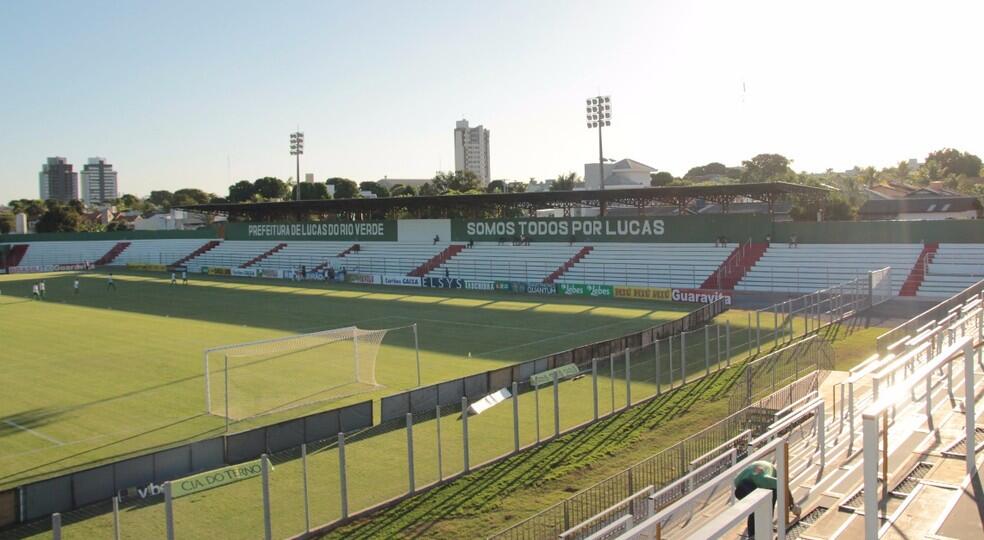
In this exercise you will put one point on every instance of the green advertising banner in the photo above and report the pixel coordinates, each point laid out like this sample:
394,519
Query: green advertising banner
579,289
346,231
697,229
219,477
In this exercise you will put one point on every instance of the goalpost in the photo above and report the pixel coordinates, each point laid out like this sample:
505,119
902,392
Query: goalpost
245,380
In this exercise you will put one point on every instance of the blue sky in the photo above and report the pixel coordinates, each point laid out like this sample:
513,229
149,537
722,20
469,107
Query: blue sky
195,94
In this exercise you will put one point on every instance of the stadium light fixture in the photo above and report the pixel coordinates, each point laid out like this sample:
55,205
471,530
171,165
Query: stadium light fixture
599,114
296,149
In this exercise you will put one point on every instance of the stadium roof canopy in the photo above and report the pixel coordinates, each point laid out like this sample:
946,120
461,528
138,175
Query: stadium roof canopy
503,204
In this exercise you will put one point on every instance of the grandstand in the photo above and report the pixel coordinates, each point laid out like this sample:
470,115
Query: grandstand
953,268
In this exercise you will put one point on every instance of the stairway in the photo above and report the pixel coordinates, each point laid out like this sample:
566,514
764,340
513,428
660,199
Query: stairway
209,246
325,264
437,260
15,254
918,272
567,265
734,268
262,256
112,254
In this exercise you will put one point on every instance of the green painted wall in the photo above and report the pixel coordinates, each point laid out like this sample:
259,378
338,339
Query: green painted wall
881,232
698,229
359,231
114,235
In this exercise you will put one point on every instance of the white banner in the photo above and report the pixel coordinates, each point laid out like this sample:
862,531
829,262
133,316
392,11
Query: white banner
245,272
403,281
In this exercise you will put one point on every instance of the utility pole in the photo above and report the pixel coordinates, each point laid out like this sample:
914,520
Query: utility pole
296,149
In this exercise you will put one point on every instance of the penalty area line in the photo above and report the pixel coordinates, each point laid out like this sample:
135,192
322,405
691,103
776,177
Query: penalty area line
33,432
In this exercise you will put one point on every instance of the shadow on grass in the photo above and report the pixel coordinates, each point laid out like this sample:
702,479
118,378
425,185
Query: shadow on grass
480,490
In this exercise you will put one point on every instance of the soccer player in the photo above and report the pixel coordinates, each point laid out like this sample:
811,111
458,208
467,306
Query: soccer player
109,283
174,278
42,289
75,285
35,292
184,277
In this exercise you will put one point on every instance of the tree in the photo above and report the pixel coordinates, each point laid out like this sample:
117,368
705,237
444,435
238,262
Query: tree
456,182
241,191
344,188
496,186
311,192
375,189
6,222
956,163
271,188
837,207
868,176
161,198
118,226
196,196
58,218
400,190
516,187
565,182
661,178
34,208
766,168
129,202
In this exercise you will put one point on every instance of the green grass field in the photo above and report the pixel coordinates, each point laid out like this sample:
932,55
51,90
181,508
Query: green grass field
104,373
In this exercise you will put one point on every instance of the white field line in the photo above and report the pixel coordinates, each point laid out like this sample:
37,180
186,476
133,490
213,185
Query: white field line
33,432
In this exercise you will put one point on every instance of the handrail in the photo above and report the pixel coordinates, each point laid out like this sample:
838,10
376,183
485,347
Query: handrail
758,503
646,491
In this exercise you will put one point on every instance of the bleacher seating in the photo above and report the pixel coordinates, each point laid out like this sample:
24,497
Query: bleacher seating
490,261
57,252
648,265
230,254
397,258
954,268
157,251
308,254
811,267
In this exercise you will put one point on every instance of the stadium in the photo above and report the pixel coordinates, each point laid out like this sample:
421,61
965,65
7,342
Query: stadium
315,369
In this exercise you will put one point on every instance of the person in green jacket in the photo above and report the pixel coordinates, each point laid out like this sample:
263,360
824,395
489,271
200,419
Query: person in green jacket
760,474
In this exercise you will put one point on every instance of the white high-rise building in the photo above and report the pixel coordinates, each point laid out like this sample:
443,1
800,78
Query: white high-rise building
471,150
98,182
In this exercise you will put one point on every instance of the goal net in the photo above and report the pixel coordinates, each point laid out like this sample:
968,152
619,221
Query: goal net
244,380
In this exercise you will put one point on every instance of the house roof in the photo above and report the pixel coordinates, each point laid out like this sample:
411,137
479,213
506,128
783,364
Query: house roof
922,205
631,165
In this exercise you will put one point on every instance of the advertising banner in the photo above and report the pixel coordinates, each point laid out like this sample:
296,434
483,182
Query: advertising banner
354,231
541,288
643,293
146,267
612,229
702,296
476,285
402,281
364,279
269,273
445,283
213,479
580,289
245,272
218,271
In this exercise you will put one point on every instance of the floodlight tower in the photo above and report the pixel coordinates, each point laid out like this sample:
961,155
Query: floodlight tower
599,114
296,149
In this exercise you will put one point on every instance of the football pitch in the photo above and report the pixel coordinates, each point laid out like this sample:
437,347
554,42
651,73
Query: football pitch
105,373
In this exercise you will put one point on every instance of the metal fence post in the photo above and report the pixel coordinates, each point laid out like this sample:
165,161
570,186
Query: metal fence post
656,357
611,377
717,346
670,343
168,512
440,457
464,431
342,481
116,517
628,378
727,342
410,473
536,403
775,324
307,505
758,332
683,358
707,351
556,399
515,396
267,518
56,526
594,385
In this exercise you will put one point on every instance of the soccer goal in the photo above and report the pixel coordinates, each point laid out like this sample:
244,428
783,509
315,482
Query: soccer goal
244,380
